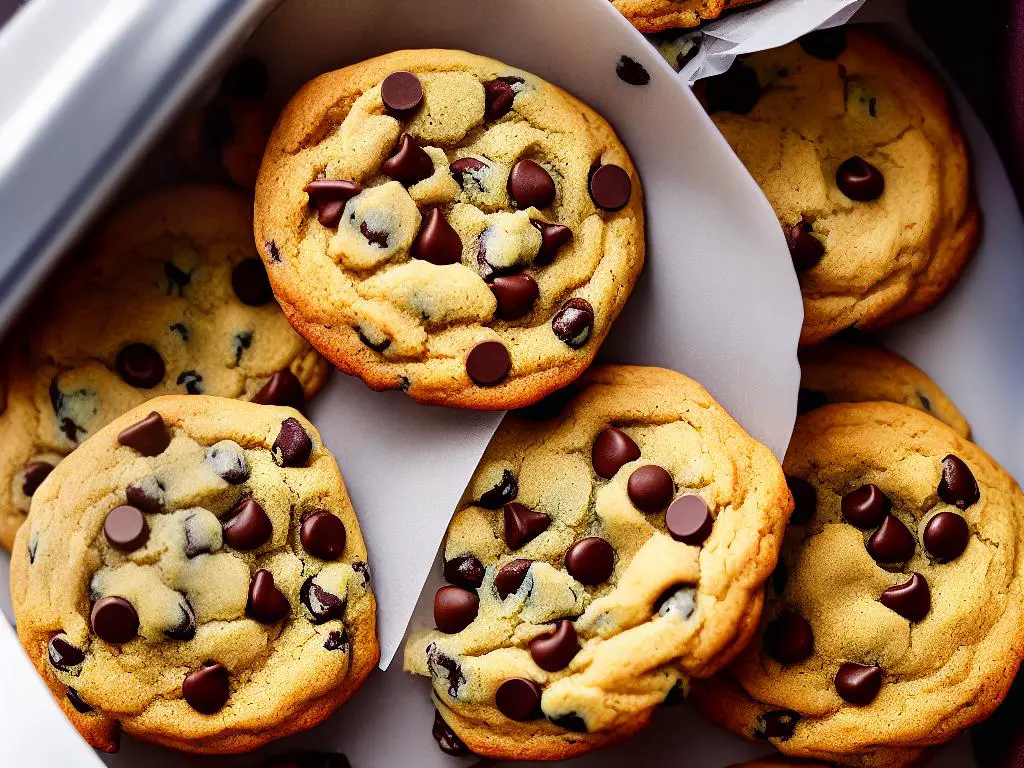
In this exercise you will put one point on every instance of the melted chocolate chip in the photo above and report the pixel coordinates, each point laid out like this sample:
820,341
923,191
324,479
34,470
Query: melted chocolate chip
139,365
858,684
570,722
805,249
227,460
329,197
510,577
33,475
912,600
207,689
505,491
193,382
293,445
455,608
282,388
185,629
62,654
446,739
776,724
465,571
144,496
466,165
78,702
515,295
336,640
149,437
958,486
552,238
321,604
499,95
522,524
574,322
554,650
450,668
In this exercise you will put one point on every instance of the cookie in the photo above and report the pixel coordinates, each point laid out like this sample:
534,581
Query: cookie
857,373
194,575
894,620
169,298
659,15
444,224
857,149
607,550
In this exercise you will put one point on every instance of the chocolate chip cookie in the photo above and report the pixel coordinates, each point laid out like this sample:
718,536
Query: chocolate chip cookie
169,298
608,549
447,225
856,147
857,373
894,620
194,575
658,15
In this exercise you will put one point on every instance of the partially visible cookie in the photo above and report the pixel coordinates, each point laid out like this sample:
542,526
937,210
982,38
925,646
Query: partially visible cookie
170,297
609,548
658,15
856,373
194,575
447,225
856,146
895,619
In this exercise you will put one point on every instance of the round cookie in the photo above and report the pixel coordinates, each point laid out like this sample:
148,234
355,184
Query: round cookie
169,297
857,373
441,223
659,15
894,620
857,149
194,575
607,550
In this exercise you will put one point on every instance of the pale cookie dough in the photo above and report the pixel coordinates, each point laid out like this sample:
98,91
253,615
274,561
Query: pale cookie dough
896,617
194,575
607,550
168,297
444,224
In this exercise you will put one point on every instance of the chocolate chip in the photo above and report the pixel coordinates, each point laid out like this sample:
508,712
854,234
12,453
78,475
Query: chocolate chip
858,684
552,238
488,363
945,536
206,689
272,250
805,248
958,486
516,295
454,608
446,739
185,629
805,500
267,604
788,638
78,702
177,279
554,650
892,542
650,488
293,446
737,90
437,242
530,186
282,388
140,365
449,669
375,237
62,654
505,491
574,322
570,722
809,400
33,549
250,282
246,80
518,699
912,600
144,496
465,571
227,460
248,526
523,524
631,71
510,576
825,44
859,180
149,437
499,96
689,520
408,163
114,619
865,507
323,535
33,475
402,93
378,347
610,187
459,168
590,561
612,449
776,724
329,197
192,381
125,528
321,604
336,641
779,577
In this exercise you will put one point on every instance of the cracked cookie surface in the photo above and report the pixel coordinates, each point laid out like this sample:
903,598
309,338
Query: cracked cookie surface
857,149
194,575
607,550
170,297
894,621
444,224
659,15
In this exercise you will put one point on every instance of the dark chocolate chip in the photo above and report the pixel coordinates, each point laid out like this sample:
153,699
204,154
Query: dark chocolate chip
488,363
455,608
788,638
859,180
810,399
273,252
206,689
958,486
402,93
945,536
865,507
518,699
779,578
776,724
530,185
125,528
293,446
449,669
185,629
78,702
689,520
459,168
610,187
465,571
250,282
516,295
323,535
570,722
193,382
241,341
33,549
805,249
321,604
912,600
499,96
177,279
505,491
329,197
510,576
114,619
827,44
805,500
552,238
246,80
336,640
375,237
248,526
140,365
378,347
62,654
650,488
437,242
267,604
590,561
149,437
227,459
858,684
408,163
612,449
447,741
631,71
523,524
143,498
33,475
574,322
554,650
892,542
737,90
